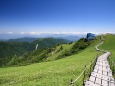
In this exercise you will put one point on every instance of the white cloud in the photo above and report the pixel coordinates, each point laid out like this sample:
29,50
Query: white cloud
9,32
22,33
64,32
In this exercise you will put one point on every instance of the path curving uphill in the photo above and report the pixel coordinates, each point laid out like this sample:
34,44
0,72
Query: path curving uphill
102,74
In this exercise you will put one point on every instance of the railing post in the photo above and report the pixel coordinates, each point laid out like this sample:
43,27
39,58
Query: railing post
113,70
95,62
71,83
96,55
84,76
90,69
96,58
110,63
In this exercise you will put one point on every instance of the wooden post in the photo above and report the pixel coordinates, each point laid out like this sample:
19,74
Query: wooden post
95,62
110,64
96,58
71,83
90,69
97,55
113,69
108,81
109,61
84,76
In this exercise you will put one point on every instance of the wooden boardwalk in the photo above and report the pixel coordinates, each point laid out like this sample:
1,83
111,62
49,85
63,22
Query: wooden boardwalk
102,74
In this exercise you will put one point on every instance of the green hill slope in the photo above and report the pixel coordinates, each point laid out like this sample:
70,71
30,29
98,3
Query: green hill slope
49,42
109,45
17,47
9,50
52,73
57,52
26,39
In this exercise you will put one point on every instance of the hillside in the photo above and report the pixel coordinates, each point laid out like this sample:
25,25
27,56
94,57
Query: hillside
53,73
57,52
109,45
10,50
49,42
22,40
39,40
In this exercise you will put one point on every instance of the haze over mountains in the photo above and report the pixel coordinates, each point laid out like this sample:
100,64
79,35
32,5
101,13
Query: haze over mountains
70,37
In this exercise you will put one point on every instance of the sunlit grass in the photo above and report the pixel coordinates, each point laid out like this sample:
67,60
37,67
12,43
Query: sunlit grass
52,73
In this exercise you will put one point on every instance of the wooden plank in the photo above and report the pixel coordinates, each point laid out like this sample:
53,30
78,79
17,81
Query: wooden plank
92,78
112,84
104,83
105,77
102,74
110,74
99,71
90,83
98,81
105,73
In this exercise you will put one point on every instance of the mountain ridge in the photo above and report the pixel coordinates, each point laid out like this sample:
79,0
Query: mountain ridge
56,72
12,49
74,37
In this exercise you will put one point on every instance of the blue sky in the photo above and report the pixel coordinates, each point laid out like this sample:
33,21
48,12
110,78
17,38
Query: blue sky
57,16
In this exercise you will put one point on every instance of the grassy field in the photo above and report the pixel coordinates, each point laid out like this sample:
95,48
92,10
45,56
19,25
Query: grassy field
109,45
56,54
52,73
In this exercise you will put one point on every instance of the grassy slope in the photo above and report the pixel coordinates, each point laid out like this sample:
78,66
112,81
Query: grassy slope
109,45
9,49
55,55
53,73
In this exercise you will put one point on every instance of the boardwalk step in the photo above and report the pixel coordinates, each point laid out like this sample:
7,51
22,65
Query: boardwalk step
102,74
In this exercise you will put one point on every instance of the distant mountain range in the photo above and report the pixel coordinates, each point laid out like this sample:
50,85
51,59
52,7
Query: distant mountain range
30,38
22,40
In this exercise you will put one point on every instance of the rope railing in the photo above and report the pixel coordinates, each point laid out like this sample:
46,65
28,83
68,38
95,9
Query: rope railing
112,61
90,65
112,65
83,72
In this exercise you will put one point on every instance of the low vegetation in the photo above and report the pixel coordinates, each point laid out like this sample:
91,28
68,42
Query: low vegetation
49,54
10,51
57,72
109,45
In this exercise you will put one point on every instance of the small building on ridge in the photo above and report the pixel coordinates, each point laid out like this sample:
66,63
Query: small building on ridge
90,36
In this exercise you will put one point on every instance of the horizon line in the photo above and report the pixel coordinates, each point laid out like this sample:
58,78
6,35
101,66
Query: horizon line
64,32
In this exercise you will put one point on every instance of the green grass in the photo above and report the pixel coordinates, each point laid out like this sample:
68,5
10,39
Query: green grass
109,45
56,54
52,73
